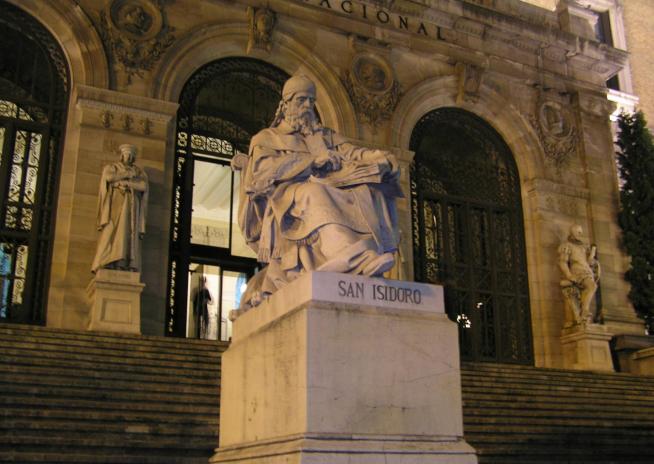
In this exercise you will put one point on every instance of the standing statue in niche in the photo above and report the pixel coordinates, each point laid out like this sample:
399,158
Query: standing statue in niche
310,200
122,207
581,272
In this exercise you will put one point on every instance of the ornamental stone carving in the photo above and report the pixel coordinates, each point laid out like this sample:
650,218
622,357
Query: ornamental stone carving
372,87
470,78
135,33
556,130
261,22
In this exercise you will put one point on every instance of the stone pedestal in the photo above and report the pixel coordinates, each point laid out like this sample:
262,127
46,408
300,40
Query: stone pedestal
340,369
644,361
586,347
115,298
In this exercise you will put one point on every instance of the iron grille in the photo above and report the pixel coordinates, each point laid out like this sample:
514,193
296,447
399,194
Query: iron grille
468,234
34,88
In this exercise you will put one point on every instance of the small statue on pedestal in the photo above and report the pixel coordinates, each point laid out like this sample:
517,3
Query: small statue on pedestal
581,271
122,207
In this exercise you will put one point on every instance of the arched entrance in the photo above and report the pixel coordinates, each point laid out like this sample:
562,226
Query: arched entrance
34,88
221,107
468,233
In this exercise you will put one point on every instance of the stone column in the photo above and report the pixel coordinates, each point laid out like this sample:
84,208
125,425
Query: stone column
338,369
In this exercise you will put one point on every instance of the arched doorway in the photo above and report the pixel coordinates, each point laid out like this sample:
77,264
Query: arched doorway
221,107
468,233
34,88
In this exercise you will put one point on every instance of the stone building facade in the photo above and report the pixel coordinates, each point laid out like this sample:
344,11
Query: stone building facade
522,82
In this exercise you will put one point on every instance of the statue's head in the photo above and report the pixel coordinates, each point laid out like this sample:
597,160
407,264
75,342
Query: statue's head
127,153
576,232
297,107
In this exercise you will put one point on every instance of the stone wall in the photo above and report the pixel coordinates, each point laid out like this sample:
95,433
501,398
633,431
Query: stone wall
637,16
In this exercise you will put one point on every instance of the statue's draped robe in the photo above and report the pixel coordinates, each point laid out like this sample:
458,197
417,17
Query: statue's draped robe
285,199
121,217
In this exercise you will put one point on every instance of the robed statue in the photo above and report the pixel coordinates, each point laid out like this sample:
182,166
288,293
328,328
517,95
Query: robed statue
581,273
311,200
122,207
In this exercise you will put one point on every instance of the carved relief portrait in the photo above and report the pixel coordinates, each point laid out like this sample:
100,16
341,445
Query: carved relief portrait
372,87
139,19
372,73
136,34
555,127
554,120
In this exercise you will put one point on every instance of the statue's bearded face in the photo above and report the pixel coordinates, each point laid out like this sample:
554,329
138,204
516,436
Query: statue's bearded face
299,112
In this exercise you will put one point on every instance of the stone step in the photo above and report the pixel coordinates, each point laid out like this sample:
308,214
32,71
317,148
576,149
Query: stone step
141,352
498,382
114,339
565,397
107,393
129,416
61,379
149,428
563,453
509,371
557,390
83,363
95,406
474,408
104,456
489,420
107,358
72,373
88,439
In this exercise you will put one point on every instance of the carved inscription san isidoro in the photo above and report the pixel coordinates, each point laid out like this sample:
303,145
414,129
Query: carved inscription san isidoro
379,16
379,292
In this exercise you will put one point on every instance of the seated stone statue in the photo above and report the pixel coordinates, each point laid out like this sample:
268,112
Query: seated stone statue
310,200
581,272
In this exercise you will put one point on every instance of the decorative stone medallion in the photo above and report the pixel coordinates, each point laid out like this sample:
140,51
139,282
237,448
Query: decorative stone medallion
555,127
372,87
136,34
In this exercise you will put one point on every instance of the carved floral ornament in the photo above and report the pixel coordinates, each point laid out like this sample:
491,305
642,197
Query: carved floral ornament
136,33
372,87
555,127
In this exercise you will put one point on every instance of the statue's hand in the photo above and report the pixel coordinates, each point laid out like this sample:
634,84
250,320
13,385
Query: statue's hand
328,159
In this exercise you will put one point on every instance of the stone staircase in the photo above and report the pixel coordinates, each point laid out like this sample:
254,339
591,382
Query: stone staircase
527,415
81,397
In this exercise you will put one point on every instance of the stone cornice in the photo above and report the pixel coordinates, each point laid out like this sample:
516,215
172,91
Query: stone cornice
463,27
109,100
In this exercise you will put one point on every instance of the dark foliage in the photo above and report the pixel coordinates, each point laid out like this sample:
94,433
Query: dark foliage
636,217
